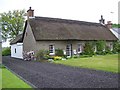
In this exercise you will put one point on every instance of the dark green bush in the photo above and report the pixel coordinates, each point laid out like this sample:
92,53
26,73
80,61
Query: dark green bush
59,52
116,47
107,50
42,55
6,51
101,53
100,45
88,48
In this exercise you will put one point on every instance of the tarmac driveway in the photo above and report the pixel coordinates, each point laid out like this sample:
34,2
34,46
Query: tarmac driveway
48,75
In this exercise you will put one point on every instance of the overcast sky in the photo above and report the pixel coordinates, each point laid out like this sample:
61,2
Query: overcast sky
83,10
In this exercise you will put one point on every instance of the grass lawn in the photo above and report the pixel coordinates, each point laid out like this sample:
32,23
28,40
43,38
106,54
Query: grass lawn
9,80
102,62
0,79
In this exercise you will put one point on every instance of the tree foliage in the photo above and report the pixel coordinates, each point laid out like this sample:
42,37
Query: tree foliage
116,25
12,23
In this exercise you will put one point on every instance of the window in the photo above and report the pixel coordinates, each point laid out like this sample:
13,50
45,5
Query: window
15,50
79,48
69,50
95,48
111,46
51,49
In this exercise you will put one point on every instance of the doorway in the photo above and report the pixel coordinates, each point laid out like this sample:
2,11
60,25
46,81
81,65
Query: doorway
69,50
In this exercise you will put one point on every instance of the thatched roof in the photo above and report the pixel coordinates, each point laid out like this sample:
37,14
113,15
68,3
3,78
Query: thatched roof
45,28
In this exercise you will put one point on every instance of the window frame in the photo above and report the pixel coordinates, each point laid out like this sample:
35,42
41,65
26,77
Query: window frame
15,50
79,48
51,49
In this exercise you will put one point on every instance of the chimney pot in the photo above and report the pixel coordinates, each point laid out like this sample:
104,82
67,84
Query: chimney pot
30,8
109,24
102,21
30,13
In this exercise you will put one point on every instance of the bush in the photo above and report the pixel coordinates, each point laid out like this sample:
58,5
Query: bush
6,51
101,53
42,55
59,52
107,50
116,47
100,45
88,48
57,58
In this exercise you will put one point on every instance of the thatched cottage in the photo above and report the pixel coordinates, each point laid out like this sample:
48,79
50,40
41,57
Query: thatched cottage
54,33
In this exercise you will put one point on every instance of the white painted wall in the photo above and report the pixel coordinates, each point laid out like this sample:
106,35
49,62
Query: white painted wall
19,50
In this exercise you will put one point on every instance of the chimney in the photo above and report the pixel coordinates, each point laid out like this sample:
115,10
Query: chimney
30,13
102,21
109,25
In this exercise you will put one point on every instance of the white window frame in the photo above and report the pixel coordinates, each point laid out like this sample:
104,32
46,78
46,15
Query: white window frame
69,50
51,49
111,46
79,49
95,48
15,51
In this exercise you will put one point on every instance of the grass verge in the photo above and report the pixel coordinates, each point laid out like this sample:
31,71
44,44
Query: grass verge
9,80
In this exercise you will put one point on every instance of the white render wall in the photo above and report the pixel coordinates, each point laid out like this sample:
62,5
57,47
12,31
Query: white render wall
19,50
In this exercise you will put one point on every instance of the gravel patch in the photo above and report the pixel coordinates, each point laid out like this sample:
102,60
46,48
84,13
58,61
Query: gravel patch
49,75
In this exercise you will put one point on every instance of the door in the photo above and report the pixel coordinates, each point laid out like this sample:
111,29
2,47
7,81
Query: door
69,50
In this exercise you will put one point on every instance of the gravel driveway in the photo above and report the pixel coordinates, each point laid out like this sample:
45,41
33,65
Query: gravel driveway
48,75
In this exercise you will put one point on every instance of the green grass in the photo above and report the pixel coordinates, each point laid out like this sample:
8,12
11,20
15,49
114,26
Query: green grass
9,80
0,78
106,62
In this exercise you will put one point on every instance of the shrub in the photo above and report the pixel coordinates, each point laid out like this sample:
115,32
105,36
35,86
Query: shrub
116,47
42,54
100,45
59,52
88,48
101,53
57,58
6,51
107,50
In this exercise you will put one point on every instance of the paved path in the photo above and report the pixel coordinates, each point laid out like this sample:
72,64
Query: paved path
48,75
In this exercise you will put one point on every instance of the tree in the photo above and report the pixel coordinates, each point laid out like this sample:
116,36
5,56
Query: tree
12,23
116,25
